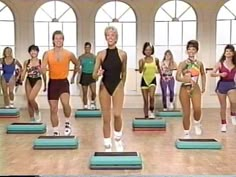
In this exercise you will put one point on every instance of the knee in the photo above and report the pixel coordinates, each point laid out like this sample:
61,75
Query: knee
106,120
117,116
31,99
54,110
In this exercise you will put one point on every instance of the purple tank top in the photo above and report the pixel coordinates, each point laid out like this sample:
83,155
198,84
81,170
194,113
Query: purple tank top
230,74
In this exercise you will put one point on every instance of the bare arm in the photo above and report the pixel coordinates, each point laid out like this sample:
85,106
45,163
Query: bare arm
19,64
24,71
203,74
158,65
44,63
179,76
141,64
97,66
124,67
215,73
76,70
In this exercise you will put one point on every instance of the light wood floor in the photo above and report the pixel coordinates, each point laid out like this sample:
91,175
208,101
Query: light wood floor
157,149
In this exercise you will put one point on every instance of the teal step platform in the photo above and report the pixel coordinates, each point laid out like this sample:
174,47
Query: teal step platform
198,144
56,142
173,113
9,112
88,113
115,160
145,124
26,128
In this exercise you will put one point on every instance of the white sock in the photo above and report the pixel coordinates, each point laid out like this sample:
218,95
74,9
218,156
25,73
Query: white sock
186,132
11,102
107,142
197,122
117,135
67,121
55,129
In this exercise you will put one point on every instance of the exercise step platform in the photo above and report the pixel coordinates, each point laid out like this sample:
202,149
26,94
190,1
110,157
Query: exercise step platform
56,142
198,144
169,113
9,112
146,124
26,128
88,113
115,160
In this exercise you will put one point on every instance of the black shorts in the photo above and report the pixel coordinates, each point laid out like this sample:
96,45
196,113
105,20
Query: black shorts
56,87
86,79
33,81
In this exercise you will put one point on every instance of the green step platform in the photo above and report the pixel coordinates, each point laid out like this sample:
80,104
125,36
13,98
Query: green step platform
56,142
26,128
9,112
145,124
198,144
115,160
173,113
88,113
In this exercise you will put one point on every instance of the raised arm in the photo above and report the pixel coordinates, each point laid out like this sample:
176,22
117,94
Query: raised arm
179,76
215,70
124,67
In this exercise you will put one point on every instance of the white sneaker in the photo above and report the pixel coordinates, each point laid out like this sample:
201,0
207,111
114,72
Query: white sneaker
12,105
171,106
93,106
233,119
85,106
119,145
186,136
223,127
151,115
198,129
68,130
108,148
164,109
37,117
56,133
7,107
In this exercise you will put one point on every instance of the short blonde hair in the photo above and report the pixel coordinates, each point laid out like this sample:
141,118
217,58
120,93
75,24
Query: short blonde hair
111,28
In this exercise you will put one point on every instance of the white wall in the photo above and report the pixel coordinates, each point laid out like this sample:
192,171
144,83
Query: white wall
85,11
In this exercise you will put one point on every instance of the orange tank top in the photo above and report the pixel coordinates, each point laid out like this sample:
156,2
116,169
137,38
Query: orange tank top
58,69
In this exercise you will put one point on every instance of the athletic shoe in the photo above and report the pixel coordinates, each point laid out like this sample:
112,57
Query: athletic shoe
119,145
233,119
223,127
198,129
37,117
151,115
68,130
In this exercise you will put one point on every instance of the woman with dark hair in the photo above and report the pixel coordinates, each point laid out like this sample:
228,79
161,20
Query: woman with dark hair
226,87
9,78
149,66
188,73
167,79
33,82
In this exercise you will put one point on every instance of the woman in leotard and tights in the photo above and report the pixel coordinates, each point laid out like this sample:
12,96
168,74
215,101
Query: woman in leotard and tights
111,65
226,87
8,78
33,82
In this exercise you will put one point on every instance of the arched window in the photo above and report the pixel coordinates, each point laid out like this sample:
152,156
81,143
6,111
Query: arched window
121,16
52,16
7,28
225,27
175,25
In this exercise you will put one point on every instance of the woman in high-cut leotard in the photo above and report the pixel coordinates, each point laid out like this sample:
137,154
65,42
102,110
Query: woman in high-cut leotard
33,83
226,87
111,65
8,79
